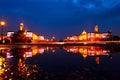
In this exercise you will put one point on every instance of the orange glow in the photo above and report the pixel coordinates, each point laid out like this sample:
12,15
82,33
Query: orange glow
34,52
84,32
35,37
96,28
2,65
97,60
41,50
21,26
80,37
98,52
97,35
84,35
89,36
80,50
25,32
84,56
2,23
84,53
87,51
20,63
24,55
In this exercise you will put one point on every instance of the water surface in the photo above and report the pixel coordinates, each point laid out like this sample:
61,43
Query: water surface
60,63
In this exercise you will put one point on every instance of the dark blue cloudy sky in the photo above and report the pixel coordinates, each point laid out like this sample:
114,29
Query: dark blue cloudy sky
61,18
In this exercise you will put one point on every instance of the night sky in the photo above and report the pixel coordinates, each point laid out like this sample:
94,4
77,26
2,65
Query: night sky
61,18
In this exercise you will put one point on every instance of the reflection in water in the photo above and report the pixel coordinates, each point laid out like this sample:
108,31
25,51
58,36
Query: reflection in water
2,65
28,52
89,51
15,65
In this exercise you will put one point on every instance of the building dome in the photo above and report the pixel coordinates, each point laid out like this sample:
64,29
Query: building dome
84,32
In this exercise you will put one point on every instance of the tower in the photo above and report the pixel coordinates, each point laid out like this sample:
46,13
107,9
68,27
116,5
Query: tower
21,26
96,28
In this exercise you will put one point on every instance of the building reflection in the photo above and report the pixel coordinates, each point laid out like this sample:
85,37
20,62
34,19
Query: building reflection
28,52
86,51
14,64
19,70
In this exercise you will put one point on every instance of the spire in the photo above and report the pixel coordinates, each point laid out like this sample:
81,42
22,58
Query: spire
21,26
96,28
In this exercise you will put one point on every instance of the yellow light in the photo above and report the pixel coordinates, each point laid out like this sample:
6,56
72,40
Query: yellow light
80,50
97,52
84,56
25,33
24,55
97,35
85,51
80,37
34,51
84,35
35,37
84,32
1,67
2,23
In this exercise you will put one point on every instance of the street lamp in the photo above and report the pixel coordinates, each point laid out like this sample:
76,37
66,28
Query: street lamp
2,24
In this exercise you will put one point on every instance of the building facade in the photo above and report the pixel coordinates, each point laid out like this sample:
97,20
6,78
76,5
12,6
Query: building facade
90,36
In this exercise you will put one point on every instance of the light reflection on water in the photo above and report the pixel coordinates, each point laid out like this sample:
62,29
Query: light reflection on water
60,63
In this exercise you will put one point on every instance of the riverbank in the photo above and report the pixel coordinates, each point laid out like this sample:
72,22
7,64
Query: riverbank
95,43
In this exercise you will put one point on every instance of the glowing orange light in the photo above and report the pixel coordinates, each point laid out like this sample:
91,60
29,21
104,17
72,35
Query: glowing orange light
97,35
98,52
84,35
21,26
97,60
84,56
2,23
34,51
80,37
2,65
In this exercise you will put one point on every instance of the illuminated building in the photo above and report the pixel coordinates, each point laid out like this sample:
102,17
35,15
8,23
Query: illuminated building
90,36
83,36
73,38
23,35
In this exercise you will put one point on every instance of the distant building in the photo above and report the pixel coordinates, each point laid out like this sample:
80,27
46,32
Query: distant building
90,36
23,34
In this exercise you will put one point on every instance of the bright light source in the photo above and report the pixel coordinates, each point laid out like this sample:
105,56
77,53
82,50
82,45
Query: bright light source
2,23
